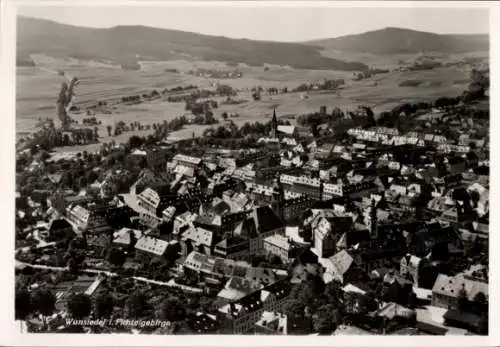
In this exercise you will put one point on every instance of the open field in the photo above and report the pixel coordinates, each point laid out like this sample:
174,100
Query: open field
38,87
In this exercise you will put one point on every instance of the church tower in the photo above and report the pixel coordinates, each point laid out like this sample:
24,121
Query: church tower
274,126
278,199
373,220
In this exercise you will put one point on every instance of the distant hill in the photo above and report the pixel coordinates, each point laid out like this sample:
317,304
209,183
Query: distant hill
400,41
122,45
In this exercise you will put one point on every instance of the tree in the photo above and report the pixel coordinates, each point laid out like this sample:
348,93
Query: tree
79,305
463,301
326,319
43,301
103,305
135,141
75,254
480,304
368,303
275,260
136,305
172,310
334,293
23,303
116,257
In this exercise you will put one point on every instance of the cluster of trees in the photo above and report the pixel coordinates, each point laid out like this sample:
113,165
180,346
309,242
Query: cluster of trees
480,82
231,130
476,91
425,65
131,99
335,120
151,95
358,76
410,83
162,130
318,307
256,91
192,97
198,108
361,75
121,127
225,115
172,307
225,90
179,89
327,84
231,101
229,74
49,138
91,121
206,119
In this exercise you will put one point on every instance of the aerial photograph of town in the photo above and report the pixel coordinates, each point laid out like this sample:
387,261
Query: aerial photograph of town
257,171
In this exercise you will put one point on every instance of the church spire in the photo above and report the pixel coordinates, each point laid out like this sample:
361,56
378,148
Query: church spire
274,125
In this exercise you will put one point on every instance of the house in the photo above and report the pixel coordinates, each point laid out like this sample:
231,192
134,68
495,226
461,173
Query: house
233,247
327,226
395,312
185,160
240,316
126,237
287,130
260,223
199,238
271,323
324,241
83,284
340,267
87,219
150,246
281,246
303,185
237,288
446,290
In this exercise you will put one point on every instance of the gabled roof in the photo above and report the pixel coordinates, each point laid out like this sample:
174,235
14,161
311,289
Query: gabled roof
286,129
339,263
451,286
265,219
122,236
151,245
199,236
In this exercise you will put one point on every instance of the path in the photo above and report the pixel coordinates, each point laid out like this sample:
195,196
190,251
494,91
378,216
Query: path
171,283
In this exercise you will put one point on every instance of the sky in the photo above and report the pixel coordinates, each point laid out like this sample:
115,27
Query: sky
273,22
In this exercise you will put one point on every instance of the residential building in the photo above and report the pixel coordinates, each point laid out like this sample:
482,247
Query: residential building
447,290
281,246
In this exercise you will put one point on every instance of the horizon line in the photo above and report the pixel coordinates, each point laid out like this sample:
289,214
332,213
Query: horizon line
246,38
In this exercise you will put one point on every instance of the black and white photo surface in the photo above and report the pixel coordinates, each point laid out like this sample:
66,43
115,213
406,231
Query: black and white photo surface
249,169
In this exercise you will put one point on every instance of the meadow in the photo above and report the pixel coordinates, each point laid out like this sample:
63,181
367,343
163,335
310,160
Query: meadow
38,88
